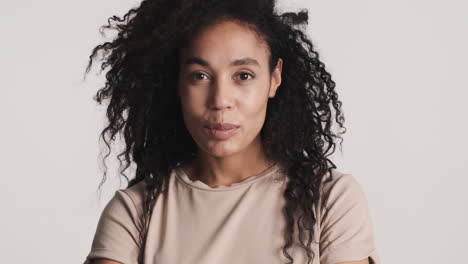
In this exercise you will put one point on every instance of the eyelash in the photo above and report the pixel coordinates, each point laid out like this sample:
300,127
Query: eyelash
193,75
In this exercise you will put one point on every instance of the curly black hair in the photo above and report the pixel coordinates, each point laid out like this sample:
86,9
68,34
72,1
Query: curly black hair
141,84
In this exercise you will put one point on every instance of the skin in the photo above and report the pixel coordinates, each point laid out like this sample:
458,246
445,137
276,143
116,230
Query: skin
212,88
107,261
217,91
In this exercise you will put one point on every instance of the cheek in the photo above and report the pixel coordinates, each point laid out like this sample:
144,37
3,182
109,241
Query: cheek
254,112
192,113
254,103
191,103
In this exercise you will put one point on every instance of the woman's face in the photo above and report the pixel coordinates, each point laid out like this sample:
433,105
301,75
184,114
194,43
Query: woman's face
224,78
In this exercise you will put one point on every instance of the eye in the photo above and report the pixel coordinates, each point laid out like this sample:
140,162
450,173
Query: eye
244,76
198,76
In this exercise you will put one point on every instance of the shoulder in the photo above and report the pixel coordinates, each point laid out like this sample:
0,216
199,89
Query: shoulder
134,196
343,205
117,235
135,192
125,205
339,185
346,228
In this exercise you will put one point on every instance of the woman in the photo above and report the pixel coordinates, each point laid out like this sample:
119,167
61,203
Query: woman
226,111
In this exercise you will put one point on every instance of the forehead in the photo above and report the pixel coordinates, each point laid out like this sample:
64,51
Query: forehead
226,41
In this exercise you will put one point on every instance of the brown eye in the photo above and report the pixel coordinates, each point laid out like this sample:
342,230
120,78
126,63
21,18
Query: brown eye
198,76
244,76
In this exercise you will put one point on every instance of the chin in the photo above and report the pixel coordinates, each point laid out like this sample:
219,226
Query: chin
220,149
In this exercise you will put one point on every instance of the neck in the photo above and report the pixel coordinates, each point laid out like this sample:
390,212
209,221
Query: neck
215,171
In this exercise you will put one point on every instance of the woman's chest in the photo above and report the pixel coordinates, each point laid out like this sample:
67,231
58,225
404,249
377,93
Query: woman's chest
239,228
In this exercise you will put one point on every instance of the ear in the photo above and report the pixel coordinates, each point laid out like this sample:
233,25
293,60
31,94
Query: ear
276,78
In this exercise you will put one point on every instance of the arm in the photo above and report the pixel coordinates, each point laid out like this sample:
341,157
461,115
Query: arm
364,261
104,261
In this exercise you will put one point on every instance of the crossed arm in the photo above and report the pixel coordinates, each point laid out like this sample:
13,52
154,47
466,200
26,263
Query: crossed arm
107,261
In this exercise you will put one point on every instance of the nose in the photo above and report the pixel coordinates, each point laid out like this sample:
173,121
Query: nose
221,95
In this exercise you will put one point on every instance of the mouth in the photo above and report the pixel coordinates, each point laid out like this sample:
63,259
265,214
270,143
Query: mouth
221,126
221,131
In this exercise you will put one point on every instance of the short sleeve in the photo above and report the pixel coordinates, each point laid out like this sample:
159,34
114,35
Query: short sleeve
117,233
346,230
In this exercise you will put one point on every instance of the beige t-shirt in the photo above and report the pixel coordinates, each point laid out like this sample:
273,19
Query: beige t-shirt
239,223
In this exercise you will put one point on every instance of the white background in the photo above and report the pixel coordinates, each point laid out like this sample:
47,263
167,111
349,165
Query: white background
401,69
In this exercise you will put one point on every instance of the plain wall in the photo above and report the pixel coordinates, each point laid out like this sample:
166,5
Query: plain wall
401,69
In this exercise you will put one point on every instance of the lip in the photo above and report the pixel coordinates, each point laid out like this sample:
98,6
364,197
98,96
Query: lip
221,134
221,126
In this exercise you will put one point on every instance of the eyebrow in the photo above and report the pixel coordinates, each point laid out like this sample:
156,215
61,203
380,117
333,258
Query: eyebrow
238,62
